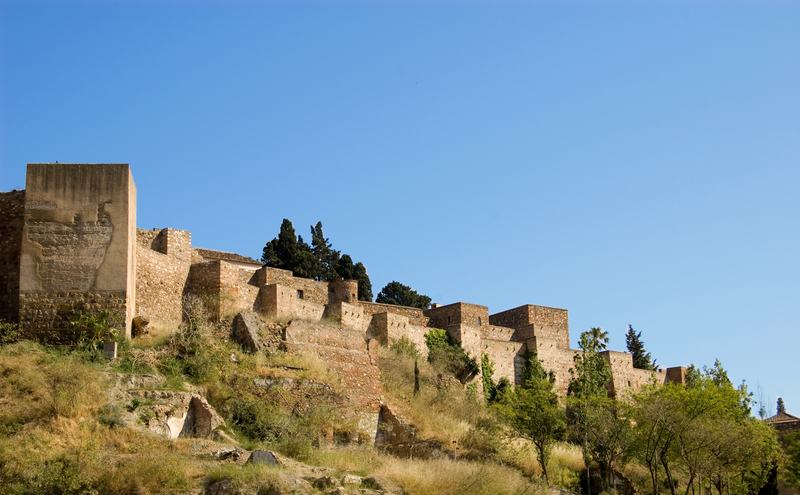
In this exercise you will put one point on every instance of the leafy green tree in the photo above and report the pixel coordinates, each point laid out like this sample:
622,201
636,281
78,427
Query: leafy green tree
489,387
591,371
781,406
533,369
641,358
447,355
318,261
402,295
792,443
533,413
610,436
589,376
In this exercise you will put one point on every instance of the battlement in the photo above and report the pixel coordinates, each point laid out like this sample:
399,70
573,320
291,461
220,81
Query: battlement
68,243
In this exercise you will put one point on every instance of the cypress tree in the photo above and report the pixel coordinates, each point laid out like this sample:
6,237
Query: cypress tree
641,358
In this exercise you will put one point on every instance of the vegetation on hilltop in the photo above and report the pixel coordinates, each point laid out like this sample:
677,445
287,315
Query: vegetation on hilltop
319,261
63,431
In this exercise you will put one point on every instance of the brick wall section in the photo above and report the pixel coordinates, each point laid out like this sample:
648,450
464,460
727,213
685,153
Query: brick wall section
535,321
160,284
12,218
507,359
49,314
415,315
458,314
346,353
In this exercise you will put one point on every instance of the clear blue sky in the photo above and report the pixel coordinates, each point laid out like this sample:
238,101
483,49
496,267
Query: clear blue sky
633,162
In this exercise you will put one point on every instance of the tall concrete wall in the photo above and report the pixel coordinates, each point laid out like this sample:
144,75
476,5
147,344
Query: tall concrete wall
78,246
12,219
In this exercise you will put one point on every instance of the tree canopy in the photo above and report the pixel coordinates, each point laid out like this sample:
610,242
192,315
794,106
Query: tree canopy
402,295
319,261
641,358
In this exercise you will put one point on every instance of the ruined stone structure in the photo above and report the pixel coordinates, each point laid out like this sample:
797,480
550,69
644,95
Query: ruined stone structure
69,244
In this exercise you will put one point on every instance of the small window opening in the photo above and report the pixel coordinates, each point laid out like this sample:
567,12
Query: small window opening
354,296
448,320
479,321
629,383
299,294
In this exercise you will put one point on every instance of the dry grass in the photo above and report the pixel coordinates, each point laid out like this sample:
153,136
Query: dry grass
158,334
443,477
440,410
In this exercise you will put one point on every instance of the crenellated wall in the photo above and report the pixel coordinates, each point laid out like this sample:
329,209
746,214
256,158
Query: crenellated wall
68,244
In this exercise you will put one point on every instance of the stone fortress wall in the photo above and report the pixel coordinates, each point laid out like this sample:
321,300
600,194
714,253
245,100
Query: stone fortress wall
70,244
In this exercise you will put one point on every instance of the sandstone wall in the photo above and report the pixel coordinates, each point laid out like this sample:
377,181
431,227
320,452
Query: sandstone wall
160,284
279,301
415,315
347,315
343,290
348,354
625,378
312,291
507,358
223,288
46,315
554,358
12,219
387,328
458,314
492,332
535,321
78,244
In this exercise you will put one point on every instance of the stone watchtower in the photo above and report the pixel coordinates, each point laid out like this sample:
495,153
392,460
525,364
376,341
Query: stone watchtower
78,246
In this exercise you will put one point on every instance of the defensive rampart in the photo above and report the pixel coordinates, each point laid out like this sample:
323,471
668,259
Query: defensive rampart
68,244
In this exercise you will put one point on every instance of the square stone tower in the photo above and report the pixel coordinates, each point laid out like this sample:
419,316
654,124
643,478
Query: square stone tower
78,250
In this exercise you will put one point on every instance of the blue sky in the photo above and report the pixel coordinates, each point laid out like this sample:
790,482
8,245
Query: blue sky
633,162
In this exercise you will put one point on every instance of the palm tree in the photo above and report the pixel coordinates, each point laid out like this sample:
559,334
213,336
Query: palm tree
598,339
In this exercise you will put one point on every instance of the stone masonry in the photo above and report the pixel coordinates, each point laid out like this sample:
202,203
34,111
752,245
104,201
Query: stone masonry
69,243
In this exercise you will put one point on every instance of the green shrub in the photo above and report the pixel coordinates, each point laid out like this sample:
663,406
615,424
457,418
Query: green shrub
9,332
404,347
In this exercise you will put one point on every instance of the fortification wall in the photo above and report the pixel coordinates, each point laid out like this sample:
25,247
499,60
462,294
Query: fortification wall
343,291
279,301
458,314
78,245
347,315
348,354
12,220
312,290
554,358
492,332
507,358
46,315
388,328
160,284
415,315
535,321
625,378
